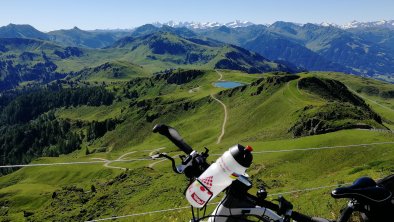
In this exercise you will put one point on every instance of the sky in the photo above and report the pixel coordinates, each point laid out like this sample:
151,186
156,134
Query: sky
47,15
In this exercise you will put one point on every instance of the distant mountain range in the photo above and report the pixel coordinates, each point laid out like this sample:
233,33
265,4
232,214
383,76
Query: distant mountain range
90,39
239,23
70,37
204,25
376,24
365,49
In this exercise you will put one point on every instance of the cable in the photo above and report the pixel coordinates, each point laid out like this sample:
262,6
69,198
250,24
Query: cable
315,148
71,163
194,218
51,164
143,159
205,210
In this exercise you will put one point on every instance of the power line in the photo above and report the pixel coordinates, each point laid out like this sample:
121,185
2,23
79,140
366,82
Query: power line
144,159
50,164
87,162
71,163
188,207
317,148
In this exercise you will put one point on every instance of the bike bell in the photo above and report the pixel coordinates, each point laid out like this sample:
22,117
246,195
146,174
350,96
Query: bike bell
219,175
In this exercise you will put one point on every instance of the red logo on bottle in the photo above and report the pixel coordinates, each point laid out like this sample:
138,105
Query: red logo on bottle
197,199
208,181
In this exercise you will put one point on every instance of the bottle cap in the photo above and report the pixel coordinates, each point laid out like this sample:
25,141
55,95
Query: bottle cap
249,148
242,155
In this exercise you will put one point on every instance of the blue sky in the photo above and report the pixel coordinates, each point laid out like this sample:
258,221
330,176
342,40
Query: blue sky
49,15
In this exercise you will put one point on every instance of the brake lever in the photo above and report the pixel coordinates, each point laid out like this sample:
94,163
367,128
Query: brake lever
174,167
191,165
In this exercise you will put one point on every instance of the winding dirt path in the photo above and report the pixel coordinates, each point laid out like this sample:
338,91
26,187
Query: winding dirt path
153,164
194,89
119,159
225,118
107,162
225,111
220,74
156,150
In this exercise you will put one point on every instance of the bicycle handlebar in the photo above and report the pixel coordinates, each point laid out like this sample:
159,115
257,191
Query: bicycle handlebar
173,136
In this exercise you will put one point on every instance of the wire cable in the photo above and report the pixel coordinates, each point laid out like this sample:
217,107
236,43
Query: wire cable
317,148
144,159
72,163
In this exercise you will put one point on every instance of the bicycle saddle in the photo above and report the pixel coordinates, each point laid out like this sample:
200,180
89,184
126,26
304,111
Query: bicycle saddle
363,189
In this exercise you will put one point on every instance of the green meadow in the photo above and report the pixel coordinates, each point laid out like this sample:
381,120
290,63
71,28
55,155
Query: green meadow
262,113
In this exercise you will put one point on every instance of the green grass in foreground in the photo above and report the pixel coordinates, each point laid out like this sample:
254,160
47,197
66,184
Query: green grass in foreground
33,187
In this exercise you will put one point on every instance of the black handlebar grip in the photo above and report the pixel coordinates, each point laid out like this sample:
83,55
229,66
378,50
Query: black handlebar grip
173,136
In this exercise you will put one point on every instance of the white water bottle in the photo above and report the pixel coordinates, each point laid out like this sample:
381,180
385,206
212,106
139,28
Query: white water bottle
219,175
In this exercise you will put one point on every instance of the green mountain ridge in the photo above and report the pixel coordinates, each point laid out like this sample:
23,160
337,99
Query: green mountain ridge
25,60
21,31
108,71
170,48
87,39
33,61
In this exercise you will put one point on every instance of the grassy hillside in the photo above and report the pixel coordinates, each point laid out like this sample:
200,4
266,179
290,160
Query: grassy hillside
110,71
163,49
30,62
377,94
260,113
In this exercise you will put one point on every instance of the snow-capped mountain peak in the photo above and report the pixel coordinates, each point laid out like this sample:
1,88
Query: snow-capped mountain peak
238,23
380,24
328,24
204,25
